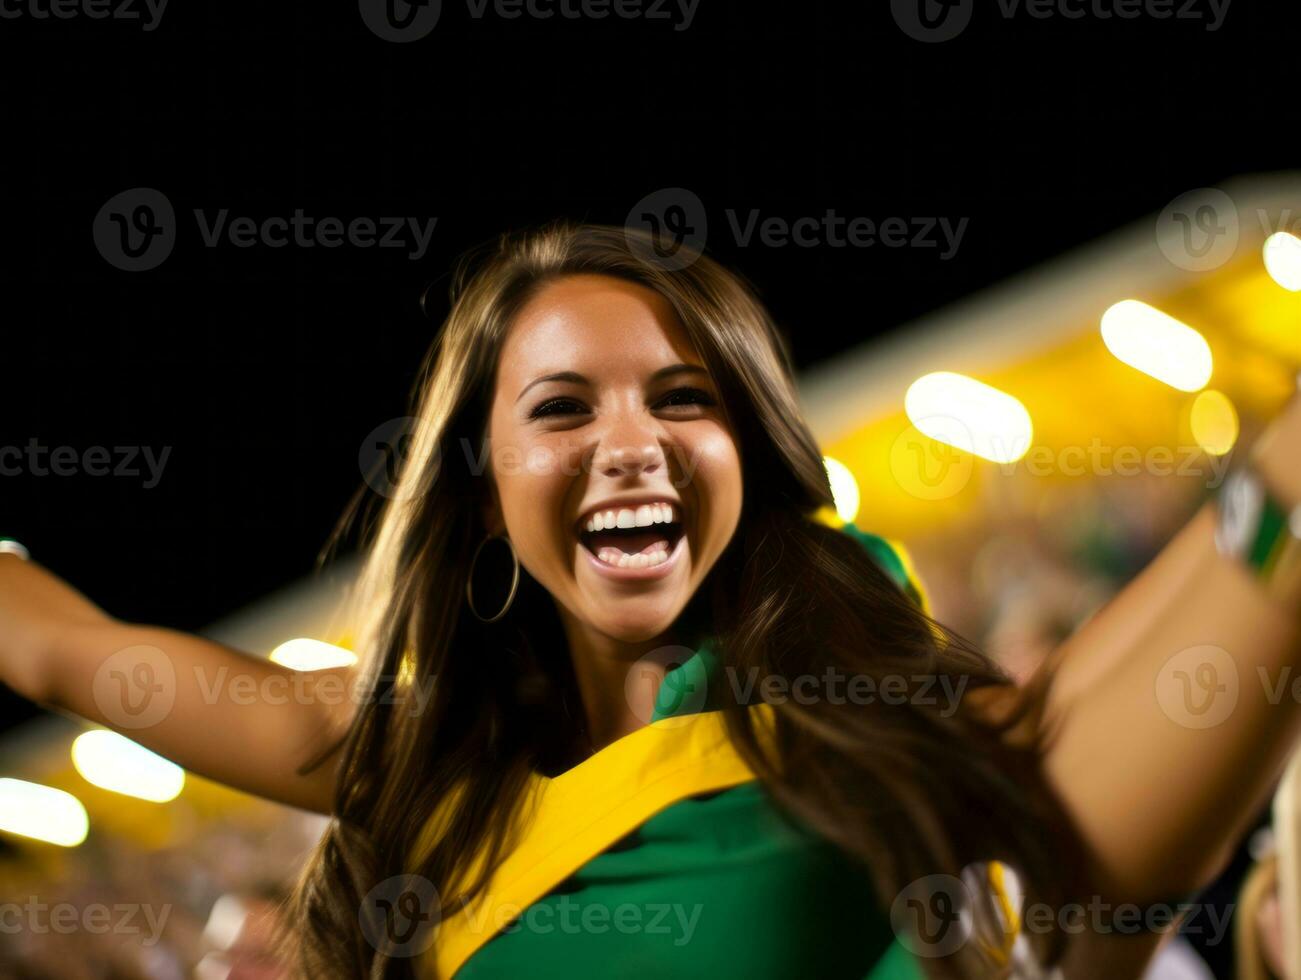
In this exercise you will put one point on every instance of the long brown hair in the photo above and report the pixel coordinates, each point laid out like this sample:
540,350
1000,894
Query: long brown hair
907,789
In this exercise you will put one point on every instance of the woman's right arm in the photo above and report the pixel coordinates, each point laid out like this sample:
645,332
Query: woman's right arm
214,710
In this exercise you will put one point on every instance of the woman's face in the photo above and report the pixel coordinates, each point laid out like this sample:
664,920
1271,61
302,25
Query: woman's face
617,479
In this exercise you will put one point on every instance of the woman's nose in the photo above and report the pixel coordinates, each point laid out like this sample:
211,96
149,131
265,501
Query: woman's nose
628,451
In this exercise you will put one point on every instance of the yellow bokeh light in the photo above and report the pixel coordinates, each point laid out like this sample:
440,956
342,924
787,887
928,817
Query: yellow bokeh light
1157,344
1214,422
1282,255
308,654
42,813
969,415
844,488
112,762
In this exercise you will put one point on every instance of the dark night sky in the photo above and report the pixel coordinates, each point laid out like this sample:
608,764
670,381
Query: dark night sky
263,369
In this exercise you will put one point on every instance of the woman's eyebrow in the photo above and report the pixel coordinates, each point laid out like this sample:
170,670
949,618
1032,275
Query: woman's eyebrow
573,376
576,378
673,369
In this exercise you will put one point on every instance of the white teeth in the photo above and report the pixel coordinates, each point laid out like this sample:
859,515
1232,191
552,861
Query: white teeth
659,512
613,556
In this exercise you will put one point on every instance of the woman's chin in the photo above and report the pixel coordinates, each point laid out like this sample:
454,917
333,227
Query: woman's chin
633,625
629,618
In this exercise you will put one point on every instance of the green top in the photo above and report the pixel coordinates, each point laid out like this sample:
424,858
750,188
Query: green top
721,884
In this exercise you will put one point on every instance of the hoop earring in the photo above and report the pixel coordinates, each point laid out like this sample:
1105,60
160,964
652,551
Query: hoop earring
514,580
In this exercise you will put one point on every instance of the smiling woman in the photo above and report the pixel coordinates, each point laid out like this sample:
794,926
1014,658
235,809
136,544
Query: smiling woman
654,486
670,723
629,403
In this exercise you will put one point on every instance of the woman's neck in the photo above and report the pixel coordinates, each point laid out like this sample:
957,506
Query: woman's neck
618,681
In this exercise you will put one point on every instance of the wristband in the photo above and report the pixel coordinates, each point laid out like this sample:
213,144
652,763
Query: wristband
1258,531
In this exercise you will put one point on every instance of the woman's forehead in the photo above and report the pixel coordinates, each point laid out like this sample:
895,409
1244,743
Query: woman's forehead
593,324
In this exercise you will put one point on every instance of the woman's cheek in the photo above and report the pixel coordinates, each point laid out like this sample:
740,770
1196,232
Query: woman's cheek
709,457
717,485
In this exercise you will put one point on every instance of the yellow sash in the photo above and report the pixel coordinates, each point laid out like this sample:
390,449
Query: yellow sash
575,816
578,814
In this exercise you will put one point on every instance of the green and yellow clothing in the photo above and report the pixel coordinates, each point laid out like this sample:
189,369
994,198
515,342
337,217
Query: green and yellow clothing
662,855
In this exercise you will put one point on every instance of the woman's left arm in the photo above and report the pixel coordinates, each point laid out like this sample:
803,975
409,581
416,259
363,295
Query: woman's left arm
1164,757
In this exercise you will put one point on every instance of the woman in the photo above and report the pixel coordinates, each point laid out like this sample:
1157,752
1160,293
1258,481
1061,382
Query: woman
623,654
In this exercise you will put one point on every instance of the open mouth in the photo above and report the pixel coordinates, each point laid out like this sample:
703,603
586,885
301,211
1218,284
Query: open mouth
632,537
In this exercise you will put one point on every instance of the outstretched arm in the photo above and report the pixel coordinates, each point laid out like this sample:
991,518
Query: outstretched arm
1168,724
217,711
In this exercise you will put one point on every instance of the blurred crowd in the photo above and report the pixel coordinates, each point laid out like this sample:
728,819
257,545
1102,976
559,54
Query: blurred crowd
202,908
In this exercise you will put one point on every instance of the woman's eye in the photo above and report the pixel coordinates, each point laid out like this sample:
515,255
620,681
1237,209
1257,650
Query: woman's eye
557,406
685,396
